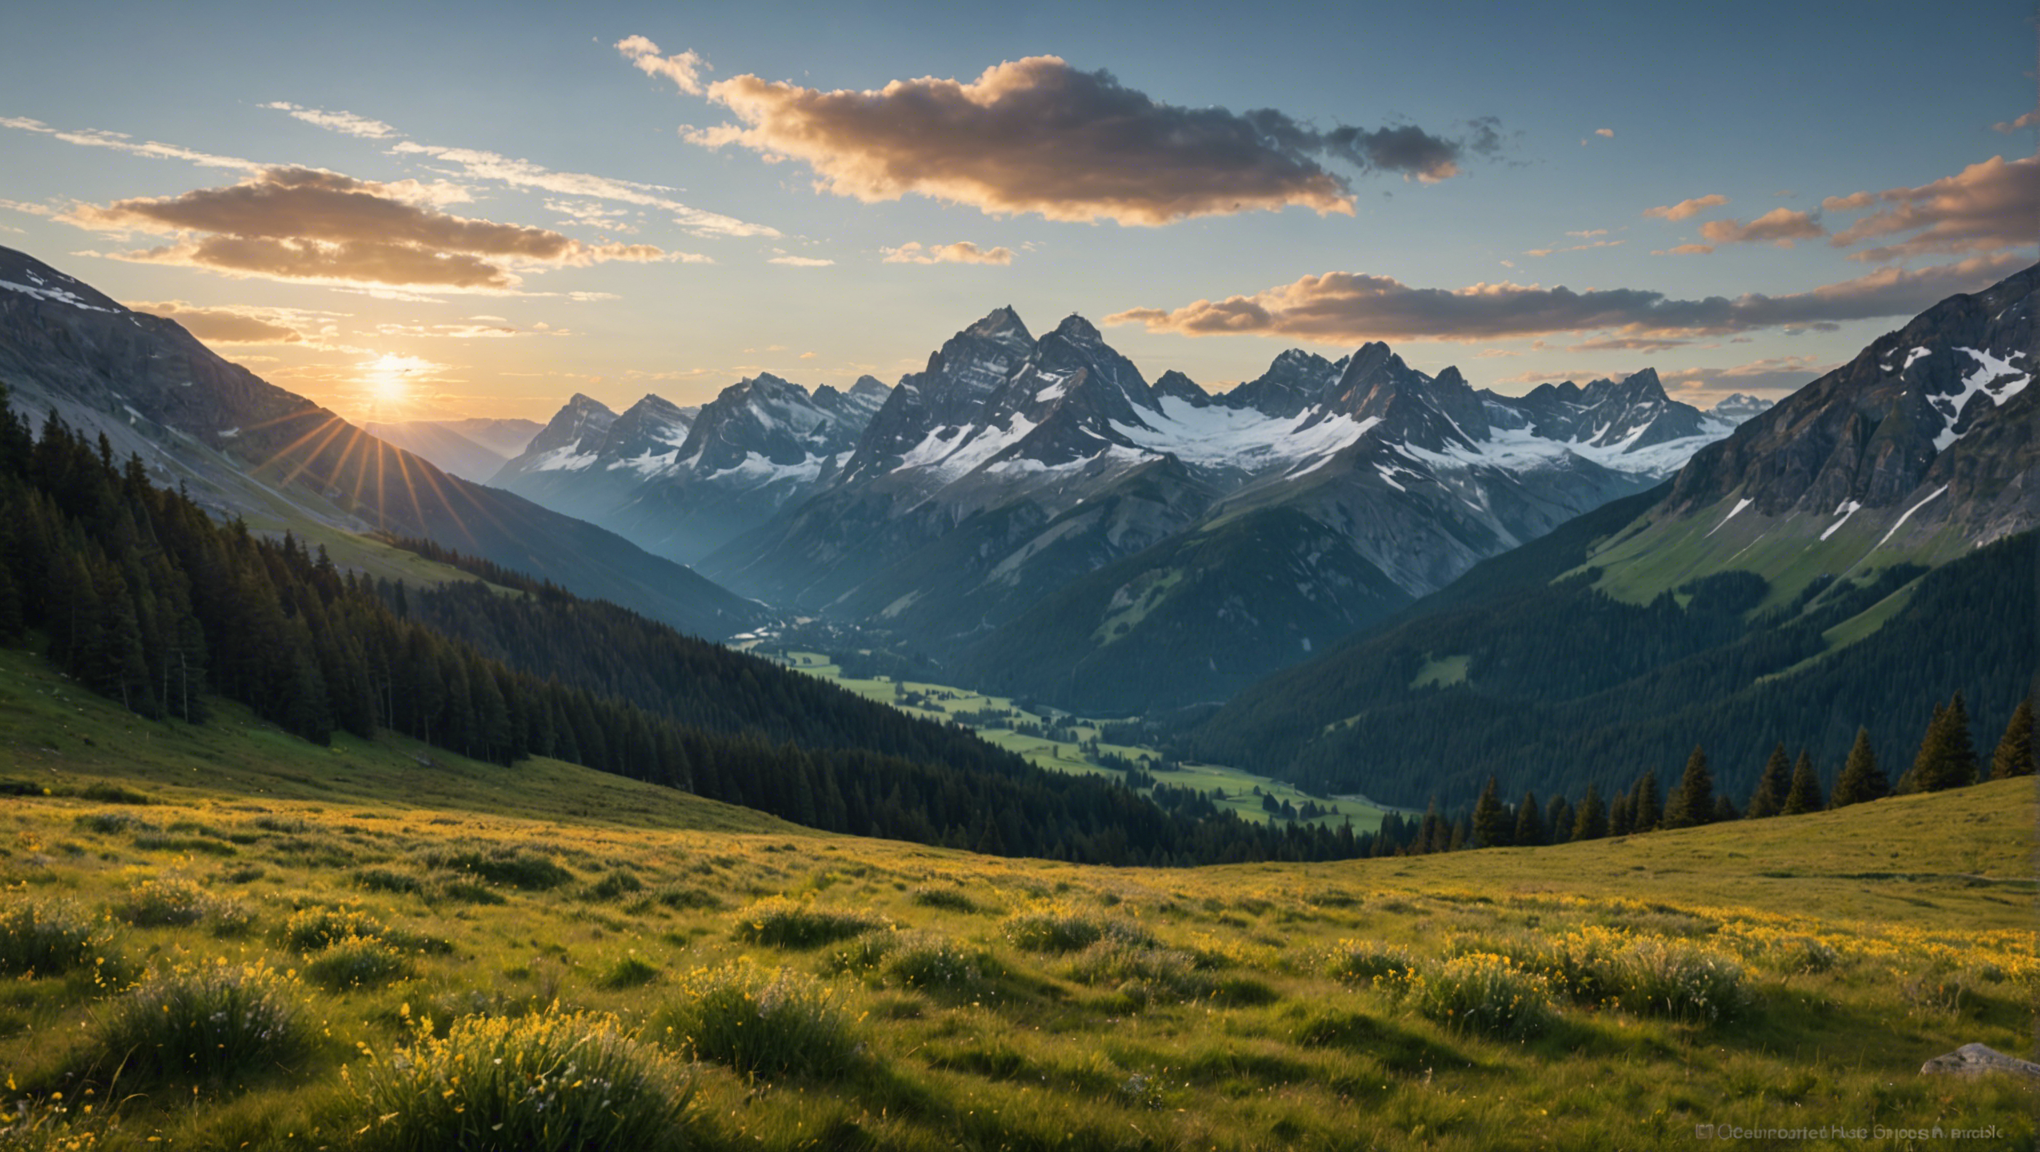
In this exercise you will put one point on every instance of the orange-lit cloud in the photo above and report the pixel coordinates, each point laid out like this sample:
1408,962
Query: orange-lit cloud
306,224
800,261
1687,209
961,252
1686,250
1039,136
684,70
1780,226
1348,307
346,123
240,323
1986,207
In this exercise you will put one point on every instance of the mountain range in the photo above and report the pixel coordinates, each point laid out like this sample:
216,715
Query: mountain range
245,448
474,448
1036,515
1846,559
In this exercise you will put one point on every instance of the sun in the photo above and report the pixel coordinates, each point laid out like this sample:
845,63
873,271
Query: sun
388,378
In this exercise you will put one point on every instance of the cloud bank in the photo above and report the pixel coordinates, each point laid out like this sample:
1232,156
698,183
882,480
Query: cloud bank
1038,136
1349,307
1987,207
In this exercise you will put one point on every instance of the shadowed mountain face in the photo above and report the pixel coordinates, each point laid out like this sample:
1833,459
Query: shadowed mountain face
1001,487
684,481
1844,559
470,449
248,448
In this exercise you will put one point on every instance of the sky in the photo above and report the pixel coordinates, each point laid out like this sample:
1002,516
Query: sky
424,211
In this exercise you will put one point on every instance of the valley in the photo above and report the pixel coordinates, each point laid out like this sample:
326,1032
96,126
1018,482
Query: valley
1079,745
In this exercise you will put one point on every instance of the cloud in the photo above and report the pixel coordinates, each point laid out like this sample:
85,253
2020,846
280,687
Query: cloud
1607,133
1588,234
1686,250
308,224
480,331
346,123
1987,207
524,174
1780,226
30,209
800,261
517,173
2026,121
961,252
1349,307
684,70
238,323
1577,247
1036,135
121,142
1687,209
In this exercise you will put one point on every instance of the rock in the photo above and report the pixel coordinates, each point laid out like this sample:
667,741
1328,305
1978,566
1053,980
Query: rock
1975,1060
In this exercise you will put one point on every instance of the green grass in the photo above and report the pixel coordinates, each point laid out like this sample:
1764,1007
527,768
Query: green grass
1441,672
945,702
1241,1007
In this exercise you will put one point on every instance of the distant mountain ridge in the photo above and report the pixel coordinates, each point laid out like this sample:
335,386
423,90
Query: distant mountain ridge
246,447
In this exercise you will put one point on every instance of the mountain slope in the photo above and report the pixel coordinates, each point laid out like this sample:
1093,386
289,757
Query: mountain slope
996,481
246,447
1847,558
452,452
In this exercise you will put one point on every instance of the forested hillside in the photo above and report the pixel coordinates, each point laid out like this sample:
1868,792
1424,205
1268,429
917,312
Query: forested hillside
1554,687
141,597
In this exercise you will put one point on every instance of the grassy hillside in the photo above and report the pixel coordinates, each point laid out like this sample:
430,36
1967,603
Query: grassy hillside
410,916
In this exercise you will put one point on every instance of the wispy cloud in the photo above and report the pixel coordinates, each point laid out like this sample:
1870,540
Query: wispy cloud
235,324
961,252
1038,136
683,70
1779,226
346,123
122,142
476,164
1687,209
1349,307
800,261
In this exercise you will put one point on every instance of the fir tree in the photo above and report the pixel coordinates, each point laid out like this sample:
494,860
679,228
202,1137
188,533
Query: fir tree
1647,810
1693,803
1491,824
1622,814
1591,823
2014,755
1558,819
1805,793
1947,756
1861,778
1769,797
1529,830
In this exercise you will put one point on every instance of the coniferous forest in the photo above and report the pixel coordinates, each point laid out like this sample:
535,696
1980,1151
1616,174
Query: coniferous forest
142,598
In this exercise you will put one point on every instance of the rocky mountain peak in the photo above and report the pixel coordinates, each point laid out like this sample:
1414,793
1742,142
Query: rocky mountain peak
1002,326
1076,329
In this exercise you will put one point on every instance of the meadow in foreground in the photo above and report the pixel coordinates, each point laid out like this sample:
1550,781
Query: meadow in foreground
221,939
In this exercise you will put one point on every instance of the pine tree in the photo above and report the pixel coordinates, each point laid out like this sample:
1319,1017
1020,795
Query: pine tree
1529,830
1769,797
1805,793
1622,815
1861,778
1693,803
1558,819
2014,755
1491,824
1592,821
1947,756
1647,810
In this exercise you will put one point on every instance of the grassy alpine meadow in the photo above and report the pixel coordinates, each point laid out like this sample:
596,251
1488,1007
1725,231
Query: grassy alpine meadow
225,938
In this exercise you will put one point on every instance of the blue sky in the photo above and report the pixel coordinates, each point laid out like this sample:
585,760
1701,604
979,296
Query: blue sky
1502,154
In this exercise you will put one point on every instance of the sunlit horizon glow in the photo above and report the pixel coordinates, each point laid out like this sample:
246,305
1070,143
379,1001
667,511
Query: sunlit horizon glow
623,198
